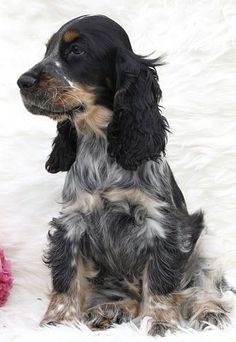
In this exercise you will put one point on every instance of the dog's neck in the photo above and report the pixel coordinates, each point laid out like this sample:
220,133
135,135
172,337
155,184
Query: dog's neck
93,121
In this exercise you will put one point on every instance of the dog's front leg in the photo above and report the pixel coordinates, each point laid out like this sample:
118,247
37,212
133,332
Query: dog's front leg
63,308
63,259
160,281
163,309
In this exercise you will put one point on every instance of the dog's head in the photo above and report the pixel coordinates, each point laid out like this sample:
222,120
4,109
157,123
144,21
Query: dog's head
89,62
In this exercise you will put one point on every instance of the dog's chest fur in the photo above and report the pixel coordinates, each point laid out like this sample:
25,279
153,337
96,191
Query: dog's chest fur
119,210
118,214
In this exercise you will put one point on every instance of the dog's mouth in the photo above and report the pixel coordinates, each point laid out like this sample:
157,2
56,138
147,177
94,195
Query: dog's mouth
53,111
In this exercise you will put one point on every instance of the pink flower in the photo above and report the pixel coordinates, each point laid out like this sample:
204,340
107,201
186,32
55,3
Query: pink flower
5,278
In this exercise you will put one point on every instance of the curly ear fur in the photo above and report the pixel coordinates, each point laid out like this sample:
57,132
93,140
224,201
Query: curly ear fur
64,148
138,131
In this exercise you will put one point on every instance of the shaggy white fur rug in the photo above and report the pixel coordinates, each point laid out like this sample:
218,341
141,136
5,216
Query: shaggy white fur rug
198,83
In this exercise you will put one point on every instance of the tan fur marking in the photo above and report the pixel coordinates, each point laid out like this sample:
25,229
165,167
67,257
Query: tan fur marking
86,271
86,203
79,93
95,120
69,36
48,82
59,117
133,195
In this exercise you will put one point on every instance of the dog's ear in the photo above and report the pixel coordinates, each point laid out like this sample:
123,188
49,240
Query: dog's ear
63,148
138,131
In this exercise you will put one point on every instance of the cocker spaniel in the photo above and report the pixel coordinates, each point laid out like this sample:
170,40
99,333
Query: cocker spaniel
124,244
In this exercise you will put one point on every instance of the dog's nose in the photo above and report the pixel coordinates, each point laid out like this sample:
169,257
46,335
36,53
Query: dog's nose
26,81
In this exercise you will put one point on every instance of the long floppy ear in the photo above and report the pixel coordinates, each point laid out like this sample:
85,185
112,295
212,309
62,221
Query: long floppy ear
63,148
138,131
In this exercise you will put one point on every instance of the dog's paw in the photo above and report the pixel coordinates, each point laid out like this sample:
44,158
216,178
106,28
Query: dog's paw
103,316
219,319
100,317
160,328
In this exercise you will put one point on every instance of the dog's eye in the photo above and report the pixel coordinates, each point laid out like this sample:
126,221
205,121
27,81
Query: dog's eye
76,50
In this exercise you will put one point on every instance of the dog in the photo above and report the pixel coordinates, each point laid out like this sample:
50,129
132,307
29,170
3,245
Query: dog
124,244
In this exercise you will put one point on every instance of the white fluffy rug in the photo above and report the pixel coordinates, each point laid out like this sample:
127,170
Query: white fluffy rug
198,83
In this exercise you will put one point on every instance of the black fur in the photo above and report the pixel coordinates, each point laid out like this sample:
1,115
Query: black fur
59,257
64,148
138,131
168,258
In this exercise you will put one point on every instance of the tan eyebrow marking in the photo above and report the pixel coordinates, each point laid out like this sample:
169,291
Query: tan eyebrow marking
69,36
